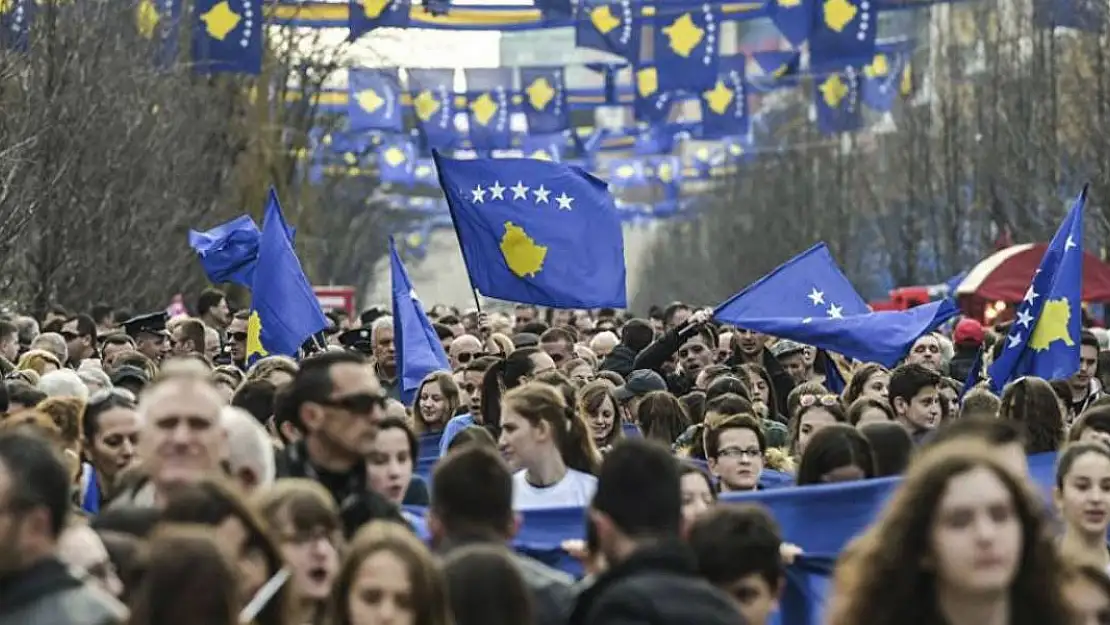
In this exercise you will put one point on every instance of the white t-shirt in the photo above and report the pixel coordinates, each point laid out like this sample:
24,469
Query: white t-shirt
576,489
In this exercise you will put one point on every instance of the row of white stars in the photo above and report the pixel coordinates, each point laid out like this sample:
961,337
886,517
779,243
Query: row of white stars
520,192
1024,319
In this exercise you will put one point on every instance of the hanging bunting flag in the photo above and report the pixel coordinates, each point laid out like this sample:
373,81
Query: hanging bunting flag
396,160
433,102
364,16
489,91
836,96
159,21
544,94
652,104
793,18
610,26
843,32
686,49
374,99
547,147
15,24
724,108
227,36
880,84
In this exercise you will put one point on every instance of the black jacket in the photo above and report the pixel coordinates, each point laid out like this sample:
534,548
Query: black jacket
552,590
620,360
656,585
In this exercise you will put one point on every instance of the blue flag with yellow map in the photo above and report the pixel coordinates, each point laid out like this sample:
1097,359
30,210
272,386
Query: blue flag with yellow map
1044,338
227,36
536,232
284,308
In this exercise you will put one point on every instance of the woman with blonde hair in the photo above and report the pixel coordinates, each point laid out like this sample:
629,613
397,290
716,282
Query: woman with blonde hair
963,541
388,576
40,361
278,370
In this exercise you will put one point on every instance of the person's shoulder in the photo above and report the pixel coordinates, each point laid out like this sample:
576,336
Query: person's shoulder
582,477
536,573
87,604
663,597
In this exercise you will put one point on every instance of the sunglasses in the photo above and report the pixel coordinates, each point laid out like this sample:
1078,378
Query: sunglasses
238,336
361,403
807,400
466,357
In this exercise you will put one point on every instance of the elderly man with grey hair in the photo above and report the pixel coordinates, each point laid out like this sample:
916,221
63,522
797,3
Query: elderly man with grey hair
27,328
63,383
250,454
53,343
385,356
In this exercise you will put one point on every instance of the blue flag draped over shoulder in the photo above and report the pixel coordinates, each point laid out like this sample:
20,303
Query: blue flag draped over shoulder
284,308
419,351
536,232
809,300
1044,338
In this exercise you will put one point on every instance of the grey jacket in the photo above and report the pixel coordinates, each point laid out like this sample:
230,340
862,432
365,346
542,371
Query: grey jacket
48,592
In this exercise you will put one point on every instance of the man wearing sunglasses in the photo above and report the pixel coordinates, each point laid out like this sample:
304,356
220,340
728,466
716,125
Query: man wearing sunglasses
337,402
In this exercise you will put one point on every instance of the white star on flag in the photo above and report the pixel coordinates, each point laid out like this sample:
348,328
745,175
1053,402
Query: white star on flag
564,201
1015,340
1070,243
497,192
478,195
541,195
1031,295
1024,318
520,191
412,295
836,312
817,297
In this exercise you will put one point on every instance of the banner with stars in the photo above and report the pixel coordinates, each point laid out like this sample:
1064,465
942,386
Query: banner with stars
686,49
366,15
489,93
724,108
836,96
611,26
397,160
536,232
544,92
15,24
883,78
843,33
227,36
159,22
433,102
651,104
374,99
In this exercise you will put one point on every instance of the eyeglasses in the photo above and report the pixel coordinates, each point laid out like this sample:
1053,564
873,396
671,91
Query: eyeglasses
466,357
105,394
807,400
361,403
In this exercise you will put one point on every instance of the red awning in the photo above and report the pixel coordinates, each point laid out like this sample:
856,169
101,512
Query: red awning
1006,275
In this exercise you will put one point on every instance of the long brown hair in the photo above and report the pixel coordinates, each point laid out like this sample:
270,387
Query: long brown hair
451,400
881,579
546,401
1031,403
590,400
184,579
429,592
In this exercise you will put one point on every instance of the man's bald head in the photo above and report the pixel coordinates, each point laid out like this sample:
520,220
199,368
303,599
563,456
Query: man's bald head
464,349
603,343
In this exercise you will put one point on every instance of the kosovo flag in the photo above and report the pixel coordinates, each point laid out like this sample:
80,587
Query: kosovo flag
836,96
284,308
724,108
536,232
882,78
227,36
843,33
610,26
417,345
15,24
545,99
159,21
1044,338
374,99
228,252
397,160
366,15
490,95
793,18
686,49
433,101
652,104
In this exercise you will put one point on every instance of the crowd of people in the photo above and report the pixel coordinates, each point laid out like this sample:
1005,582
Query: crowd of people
150,475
